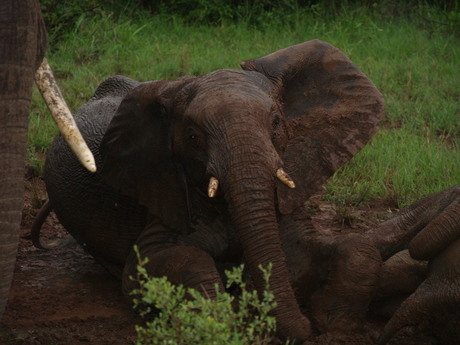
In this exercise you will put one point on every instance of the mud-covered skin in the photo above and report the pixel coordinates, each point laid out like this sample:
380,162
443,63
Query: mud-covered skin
167,138
342,275
328,271
306,109
430,230
334,276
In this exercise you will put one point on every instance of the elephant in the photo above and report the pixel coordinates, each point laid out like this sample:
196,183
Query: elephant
208,171
429,230
24,42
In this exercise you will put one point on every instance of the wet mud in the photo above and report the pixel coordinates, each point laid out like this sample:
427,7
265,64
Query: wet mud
63,296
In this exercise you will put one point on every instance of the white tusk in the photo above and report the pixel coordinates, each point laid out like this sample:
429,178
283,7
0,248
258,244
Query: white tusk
61,114
284,177
212,187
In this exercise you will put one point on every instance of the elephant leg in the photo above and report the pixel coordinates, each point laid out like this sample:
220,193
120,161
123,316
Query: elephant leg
436,300
23,44
213,238
430,229
181,264
436,217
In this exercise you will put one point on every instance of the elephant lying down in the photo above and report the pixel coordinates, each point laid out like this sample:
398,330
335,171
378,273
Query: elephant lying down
203,171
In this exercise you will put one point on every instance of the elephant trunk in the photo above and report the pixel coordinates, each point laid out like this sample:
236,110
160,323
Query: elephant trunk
249,190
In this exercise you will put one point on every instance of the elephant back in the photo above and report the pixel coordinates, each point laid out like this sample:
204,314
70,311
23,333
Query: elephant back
103,221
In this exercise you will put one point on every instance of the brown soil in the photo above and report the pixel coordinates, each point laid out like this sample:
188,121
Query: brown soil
63,296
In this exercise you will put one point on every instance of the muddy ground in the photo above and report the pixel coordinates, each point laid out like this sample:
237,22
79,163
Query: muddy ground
63,297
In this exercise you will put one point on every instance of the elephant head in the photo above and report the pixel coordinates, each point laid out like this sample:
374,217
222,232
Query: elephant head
289,119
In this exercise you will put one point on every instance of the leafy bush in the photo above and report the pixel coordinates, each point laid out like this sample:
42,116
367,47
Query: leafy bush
187,317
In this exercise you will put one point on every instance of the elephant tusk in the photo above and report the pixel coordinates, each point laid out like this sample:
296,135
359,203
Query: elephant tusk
61,114
284,177
212,187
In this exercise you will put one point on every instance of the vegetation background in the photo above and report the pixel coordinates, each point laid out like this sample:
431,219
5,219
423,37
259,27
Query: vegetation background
410,50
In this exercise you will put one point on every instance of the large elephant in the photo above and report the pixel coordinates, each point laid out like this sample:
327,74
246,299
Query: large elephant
297,114
23,43
203,171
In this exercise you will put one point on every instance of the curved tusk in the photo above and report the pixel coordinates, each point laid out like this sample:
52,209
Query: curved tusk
61,114
212,187
284,177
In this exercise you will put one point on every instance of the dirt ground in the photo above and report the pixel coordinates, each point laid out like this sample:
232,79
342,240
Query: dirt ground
63,297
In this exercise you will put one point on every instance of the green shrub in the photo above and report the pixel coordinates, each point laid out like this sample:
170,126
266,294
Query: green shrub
187,317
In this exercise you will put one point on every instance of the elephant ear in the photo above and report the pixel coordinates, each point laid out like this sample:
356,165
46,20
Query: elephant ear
136,152
331,109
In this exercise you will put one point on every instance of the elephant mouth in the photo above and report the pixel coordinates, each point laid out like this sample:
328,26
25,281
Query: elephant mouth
281,175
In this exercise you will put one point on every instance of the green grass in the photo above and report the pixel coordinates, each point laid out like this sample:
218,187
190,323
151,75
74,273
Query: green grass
414,61
398,166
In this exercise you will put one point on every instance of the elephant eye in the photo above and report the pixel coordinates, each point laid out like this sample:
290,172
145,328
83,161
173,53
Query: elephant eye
276,122
194,141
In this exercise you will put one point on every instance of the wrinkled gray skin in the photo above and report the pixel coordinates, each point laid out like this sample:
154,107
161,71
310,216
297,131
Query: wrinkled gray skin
430,230
189,237
23,43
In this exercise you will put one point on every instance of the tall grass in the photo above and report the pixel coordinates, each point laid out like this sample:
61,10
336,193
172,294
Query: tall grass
413,59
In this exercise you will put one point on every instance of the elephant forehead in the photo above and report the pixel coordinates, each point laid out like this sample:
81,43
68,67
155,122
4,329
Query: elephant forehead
226,92
227,104
237,77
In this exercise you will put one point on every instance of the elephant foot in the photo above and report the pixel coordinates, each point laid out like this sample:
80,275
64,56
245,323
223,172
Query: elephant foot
435,302
294,331
340,305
